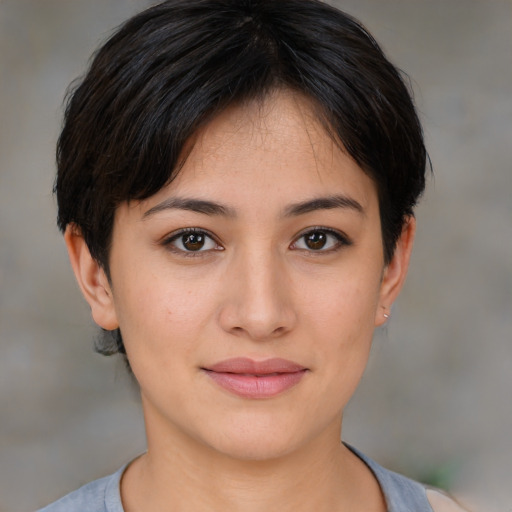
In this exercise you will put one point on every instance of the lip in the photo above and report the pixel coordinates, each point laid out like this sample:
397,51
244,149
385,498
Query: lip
248,378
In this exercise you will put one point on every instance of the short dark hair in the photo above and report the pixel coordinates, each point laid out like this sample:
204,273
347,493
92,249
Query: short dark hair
170,69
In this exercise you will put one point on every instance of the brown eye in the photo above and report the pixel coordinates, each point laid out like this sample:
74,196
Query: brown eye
193,241
316,240
321,240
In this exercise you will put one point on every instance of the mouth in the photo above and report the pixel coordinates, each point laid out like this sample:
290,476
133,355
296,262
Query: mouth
247,378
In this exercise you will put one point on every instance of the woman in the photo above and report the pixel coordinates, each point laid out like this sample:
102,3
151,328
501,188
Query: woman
236,184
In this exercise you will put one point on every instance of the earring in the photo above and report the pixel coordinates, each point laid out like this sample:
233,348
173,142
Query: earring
386,316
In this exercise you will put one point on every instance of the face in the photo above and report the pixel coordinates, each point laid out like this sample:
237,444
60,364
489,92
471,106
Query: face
247,290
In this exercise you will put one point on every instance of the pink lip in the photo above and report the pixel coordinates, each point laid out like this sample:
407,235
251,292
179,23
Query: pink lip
256,379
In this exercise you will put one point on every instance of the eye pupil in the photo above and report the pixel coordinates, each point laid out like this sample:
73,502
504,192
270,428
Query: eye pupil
193,241
316,240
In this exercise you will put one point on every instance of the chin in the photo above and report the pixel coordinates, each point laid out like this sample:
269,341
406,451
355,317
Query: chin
256,450
257,439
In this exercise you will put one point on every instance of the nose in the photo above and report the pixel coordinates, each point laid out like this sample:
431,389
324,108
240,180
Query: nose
259,298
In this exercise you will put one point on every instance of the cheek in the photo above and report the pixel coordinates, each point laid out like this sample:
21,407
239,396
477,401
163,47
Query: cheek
341,327
341,321
157,318
160,329
346,303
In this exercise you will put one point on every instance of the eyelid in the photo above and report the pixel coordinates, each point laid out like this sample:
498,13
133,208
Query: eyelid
168,239
341,237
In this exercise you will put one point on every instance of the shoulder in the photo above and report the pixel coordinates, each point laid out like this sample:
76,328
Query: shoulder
403,494
440,502
98,496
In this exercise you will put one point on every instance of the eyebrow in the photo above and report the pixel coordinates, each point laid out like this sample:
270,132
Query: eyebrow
194,205
323,203
212,208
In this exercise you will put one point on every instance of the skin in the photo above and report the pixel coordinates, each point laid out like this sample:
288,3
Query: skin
256,289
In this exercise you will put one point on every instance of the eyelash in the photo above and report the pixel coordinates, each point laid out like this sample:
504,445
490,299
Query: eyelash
341,240
168,242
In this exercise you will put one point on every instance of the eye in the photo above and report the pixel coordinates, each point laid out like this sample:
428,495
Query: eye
192,241
320,240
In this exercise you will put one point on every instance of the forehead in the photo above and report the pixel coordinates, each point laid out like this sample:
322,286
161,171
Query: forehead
281,119
274,150
262,140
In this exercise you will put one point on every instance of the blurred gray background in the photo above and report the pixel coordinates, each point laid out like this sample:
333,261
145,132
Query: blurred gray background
436,400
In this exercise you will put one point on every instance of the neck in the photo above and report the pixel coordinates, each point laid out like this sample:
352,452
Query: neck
179,474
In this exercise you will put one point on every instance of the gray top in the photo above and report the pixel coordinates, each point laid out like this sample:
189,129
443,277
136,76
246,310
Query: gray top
103,495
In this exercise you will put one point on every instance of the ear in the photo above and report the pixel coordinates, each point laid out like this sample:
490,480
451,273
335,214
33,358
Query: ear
395,272
91,278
